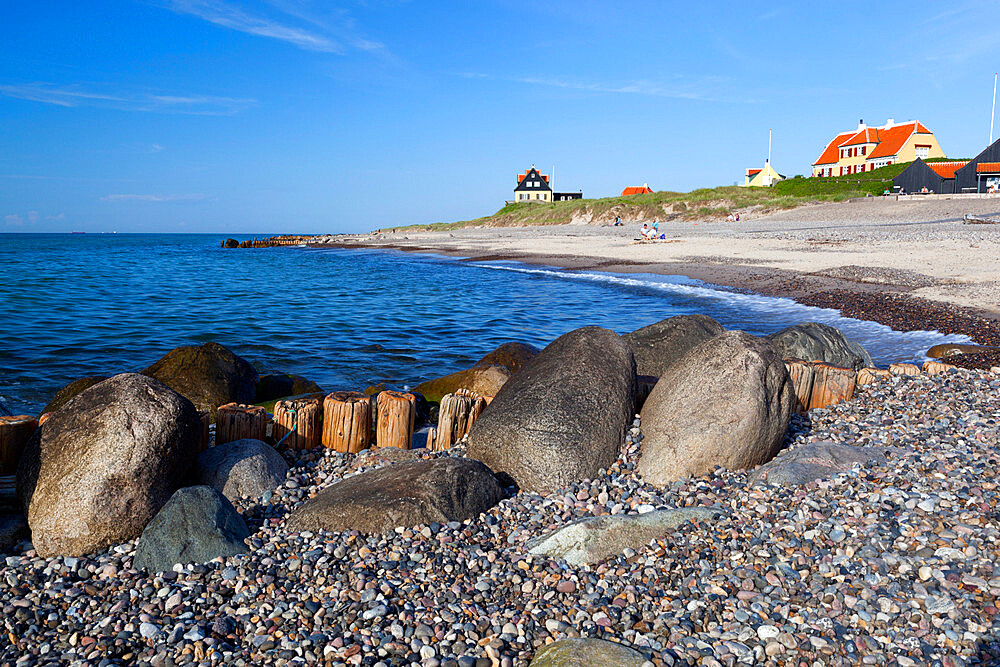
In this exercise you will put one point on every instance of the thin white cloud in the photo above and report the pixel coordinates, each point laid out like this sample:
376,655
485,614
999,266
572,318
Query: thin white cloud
325,36
154,198
702,90
13,220
76,95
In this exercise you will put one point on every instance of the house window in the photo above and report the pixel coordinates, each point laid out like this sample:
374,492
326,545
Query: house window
922,151
864,150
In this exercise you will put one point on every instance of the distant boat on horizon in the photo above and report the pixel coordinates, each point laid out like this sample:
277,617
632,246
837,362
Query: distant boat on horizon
78,232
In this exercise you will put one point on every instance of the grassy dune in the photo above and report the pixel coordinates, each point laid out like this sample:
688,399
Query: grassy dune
701,204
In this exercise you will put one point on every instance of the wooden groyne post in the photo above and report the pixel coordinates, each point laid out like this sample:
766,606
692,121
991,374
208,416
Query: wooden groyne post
347,421
396,415
234,421
14,434
303,418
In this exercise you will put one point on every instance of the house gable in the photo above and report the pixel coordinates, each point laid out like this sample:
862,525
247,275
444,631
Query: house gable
532,181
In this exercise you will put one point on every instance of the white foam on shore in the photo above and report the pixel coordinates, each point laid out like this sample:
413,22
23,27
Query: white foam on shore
886,345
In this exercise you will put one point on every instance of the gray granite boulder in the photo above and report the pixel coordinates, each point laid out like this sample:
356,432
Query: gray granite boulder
657,346
401,494
563,416
208,375
196,525
105,463
588,652
726,403
812,461
241,468
588,541
813,341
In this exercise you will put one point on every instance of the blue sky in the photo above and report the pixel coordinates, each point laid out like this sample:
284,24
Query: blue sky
296,116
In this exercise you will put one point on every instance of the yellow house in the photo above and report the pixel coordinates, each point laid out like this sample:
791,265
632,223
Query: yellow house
868,148
762,178
532,186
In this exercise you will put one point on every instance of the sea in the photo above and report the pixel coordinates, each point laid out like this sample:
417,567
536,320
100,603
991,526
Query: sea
73,305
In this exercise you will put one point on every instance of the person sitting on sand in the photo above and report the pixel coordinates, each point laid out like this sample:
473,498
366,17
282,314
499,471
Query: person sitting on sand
656,228
644,232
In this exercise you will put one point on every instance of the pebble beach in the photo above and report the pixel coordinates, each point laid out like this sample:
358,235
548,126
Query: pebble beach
894,563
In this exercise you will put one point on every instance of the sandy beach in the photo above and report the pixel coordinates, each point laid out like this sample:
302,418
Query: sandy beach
920,248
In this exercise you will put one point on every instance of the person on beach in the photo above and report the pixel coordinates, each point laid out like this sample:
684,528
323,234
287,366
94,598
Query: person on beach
656,228
644,232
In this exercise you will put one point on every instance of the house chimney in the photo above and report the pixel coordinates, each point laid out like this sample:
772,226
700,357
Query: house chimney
645,185
889,123
861,124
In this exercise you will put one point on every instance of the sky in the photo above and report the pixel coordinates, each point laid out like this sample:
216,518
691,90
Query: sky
294,116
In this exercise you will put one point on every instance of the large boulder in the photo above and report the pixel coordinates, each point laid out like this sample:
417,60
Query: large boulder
659,345
196,525
402,494
813,461
563,416
587,652
279,385
590,540
64,395
209,375
726,403
241,468
482,380
813,341
105,464
512,355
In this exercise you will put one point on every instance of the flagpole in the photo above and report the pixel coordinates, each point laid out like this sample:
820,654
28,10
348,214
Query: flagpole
994,110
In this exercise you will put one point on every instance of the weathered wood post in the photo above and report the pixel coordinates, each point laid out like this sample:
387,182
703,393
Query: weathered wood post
431,438
347,421
454,419
802,375
831,385
234,421
396,415
14,434
303,417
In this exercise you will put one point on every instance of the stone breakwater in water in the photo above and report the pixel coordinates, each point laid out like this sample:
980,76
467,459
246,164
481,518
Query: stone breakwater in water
884,563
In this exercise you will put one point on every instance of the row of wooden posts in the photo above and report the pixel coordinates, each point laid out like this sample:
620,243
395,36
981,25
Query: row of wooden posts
348,421
819,385
273,241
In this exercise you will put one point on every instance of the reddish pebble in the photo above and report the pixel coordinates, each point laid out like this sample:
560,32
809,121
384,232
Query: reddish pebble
566,586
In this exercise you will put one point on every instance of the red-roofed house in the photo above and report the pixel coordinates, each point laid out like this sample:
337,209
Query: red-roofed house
532,186
635,190
868,148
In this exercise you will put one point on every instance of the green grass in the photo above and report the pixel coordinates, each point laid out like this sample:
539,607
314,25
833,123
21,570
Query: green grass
701,204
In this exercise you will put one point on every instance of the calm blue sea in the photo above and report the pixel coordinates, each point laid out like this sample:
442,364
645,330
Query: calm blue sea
99,304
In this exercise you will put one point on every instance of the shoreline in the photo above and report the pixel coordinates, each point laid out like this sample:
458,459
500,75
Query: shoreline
887,304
